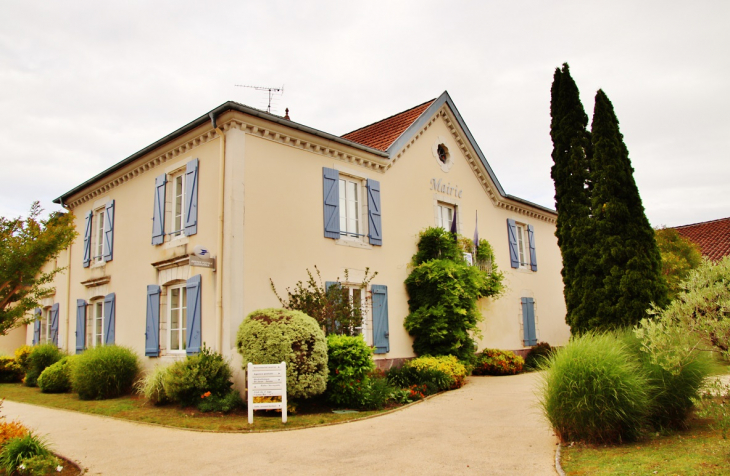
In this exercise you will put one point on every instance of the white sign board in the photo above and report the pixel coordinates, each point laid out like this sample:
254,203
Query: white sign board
267,380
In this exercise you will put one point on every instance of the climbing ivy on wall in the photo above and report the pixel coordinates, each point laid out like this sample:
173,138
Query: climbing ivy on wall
444,289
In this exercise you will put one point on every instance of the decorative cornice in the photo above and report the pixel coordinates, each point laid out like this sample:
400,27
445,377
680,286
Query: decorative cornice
90,283
315,146
172,262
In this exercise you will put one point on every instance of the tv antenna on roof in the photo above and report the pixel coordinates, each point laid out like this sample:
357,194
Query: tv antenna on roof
271,92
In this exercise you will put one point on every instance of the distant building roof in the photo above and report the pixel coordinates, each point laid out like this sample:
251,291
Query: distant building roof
381,135
713,237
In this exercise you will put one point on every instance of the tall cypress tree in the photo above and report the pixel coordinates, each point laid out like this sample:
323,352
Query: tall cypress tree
629,273
570,171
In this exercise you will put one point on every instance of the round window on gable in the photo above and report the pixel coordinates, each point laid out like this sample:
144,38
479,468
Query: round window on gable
443,153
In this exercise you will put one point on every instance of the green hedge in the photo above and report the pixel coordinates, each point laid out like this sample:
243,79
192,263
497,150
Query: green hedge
40,357
56,378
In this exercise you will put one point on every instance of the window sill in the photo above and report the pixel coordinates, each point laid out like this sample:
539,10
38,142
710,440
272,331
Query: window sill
98,264
353,243
175,242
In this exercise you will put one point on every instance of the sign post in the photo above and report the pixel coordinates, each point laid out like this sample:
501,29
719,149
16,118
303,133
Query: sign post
267,380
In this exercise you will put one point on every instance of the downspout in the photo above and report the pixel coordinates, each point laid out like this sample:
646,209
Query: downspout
219,258
68,288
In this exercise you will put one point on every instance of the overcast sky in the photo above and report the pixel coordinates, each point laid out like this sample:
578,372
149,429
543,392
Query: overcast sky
85,84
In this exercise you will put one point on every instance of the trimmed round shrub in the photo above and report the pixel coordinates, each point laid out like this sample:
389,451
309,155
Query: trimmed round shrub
10,371
56,378
187,381
272,336
594,391
105,371
537,354
671,391
152,385
349,360
40,357
497,362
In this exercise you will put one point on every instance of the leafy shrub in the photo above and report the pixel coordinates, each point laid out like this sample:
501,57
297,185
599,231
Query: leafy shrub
22,448
188,380
448,364
498,362
443,291
40,465
331,306
537,354
210,402
376,392
10,371
420,382
21,357
40,357
56,378
594,391
349,360
152,385
672,388
105,371
272,336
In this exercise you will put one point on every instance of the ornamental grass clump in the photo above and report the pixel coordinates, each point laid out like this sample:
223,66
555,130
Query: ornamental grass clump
152,385
105,371
56,378
497,362
40,357
27,452
272,336
594,391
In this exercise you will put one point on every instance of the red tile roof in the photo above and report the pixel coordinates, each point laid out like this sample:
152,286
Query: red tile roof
380,135
713,237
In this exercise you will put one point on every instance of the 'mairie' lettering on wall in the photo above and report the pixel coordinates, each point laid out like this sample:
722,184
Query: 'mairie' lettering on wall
446,188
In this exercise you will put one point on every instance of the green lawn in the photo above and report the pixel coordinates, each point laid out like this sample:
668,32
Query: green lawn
698,451
134,408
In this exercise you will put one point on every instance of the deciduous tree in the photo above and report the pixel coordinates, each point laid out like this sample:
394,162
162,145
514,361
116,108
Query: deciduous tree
25,246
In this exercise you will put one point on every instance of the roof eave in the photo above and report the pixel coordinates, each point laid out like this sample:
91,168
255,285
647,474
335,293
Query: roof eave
206,118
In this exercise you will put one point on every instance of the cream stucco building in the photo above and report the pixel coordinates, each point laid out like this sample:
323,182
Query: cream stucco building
269,198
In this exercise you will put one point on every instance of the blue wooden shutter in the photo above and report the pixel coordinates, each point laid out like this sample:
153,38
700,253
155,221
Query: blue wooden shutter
375,226
158,213
152,331
37,326
87,239
528,321
54,323
533,254
191,198
514,256
109,318
109,231
80,325
331,193
193,325
381,335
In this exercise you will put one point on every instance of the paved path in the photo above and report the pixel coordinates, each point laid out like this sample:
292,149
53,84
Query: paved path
491,426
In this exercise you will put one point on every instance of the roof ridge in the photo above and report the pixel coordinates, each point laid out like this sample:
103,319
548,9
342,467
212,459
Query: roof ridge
389,117
701,223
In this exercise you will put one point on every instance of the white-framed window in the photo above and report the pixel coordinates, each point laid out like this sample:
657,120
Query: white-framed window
445,215
177,313
45,336
97,243
523,245
357,295
95,325
177,223
351,203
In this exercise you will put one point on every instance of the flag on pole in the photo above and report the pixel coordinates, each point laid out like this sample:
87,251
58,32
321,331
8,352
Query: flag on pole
476,232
